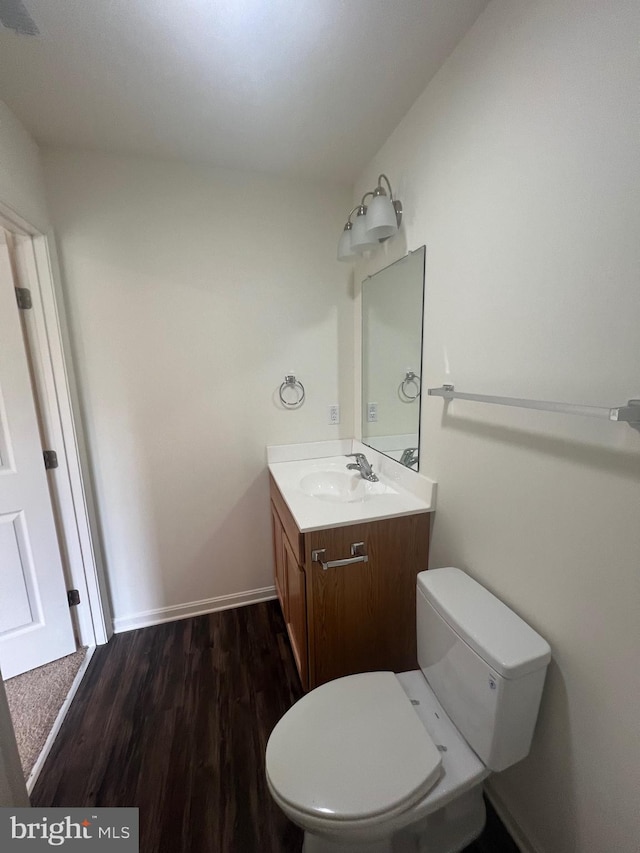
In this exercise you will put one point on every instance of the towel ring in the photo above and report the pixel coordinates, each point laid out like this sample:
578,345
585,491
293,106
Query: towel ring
410,379
290,381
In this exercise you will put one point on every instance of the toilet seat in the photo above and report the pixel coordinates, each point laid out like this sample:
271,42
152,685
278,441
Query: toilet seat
352,749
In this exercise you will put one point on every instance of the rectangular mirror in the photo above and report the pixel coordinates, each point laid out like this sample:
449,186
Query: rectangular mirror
392,311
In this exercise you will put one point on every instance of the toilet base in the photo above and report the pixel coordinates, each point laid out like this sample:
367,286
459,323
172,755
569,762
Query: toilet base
448,830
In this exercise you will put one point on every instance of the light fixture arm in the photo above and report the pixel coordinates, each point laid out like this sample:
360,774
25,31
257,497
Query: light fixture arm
380,177
362,207
357,207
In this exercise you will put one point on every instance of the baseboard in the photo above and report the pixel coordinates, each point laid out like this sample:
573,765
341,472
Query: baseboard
523,844
62,713
191,608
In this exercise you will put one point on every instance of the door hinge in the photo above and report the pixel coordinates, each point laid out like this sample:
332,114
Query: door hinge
50,459
73,597
23,297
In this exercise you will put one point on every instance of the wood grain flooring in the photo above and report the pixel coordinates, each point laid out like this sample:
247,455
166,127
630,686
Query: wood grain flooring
175,719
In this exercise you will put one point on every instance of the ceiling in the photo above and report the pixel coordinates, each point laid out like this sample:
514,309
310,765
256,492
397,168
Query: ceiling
299,87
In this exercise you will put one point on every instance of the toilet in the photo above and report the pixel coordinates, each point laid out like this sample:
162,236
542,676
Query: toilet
388,763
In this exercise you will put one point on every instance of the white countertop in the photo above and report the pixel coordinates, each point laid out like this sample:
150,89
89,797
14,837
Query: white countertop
408,492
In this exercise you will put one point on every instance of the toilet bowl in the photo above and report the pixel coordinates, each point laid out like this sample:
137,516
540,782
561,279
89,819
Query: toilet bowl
381,762
404,773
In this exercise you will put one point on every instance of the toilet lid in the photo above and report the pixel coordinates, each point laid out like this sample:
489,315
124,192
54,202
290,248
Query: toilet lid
351,749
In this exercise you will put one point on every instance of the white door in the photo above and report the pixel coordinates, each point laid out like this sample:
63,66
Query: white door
35,624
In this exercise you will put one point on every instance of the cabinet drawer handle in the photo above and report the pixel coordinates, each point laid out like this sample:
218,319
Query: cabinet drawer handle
356,557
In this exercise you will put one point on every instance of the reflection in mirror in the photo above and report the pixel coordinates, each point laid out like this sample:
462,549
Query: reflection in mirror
392,306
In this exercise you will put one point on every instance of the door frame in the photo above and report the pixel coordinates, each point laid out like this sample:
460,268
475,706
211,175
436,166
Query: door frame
47,341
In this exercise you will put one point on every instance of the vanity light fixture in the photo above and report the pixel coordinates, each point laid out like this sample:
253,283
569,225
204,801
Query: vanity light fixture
374,224
360,239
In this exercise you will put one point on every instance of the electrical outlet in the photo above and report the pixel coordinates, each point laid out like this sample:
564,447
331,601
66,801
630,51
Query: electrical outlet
372,412
334,414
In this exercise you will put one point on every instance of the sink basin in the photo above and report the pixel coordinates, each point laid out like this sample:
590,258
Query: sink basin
342,487
322,493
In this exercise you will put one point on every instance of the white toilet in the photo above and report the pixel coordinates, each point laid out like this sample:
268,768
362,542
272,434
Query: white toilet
387,763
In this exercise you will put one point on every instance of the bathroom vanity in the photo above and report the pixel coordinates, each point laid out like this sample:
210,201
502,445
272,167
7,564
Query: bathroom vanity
346,556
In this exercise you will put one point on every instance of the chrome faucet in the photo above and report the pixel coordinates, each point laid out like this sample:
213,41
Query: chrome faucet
409,457
363,465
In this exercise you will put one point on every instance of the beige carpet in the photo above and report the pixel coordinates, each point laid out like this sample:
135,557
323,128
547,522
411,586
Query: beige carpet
35,699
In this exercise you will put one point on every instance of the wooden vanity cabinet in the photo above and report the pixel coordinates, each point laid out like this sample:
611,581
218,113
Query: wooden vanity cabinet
290,579
354,618
297,611
280,579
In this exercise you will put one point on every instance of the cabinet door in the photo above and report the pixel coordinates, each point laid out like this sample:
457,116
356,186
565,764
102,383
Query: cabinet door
297,610
362,616
280,577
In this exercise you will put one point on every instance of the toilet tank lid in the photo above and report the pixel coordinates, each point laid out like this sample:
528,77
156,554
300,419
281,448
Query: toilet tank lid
492,629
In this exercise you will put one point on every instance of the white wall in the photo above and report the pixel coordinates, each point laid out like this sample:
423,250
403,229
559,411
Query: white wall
518,167
21,184
191,292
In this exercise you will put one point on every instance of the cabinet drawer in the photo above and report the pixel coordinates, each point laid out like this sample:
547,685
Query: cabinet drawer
290,528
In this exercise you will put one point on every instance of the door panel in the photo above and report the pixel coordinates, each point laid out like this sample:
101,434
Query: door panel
364,614
16,577
296,610
6,457
35,624
280,577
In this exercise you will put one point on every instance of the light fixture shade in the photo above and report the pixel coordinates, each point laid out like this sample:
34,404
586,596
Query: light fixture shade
360,240
381,218
345,250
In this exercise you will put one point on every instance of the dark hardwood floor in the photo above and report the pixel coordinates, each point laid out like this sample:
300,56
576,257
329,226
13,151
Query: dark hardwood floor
175,719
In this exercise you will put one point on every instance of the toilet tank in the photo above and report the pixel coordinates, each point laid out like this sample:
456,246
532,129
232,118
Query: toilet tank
483,662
